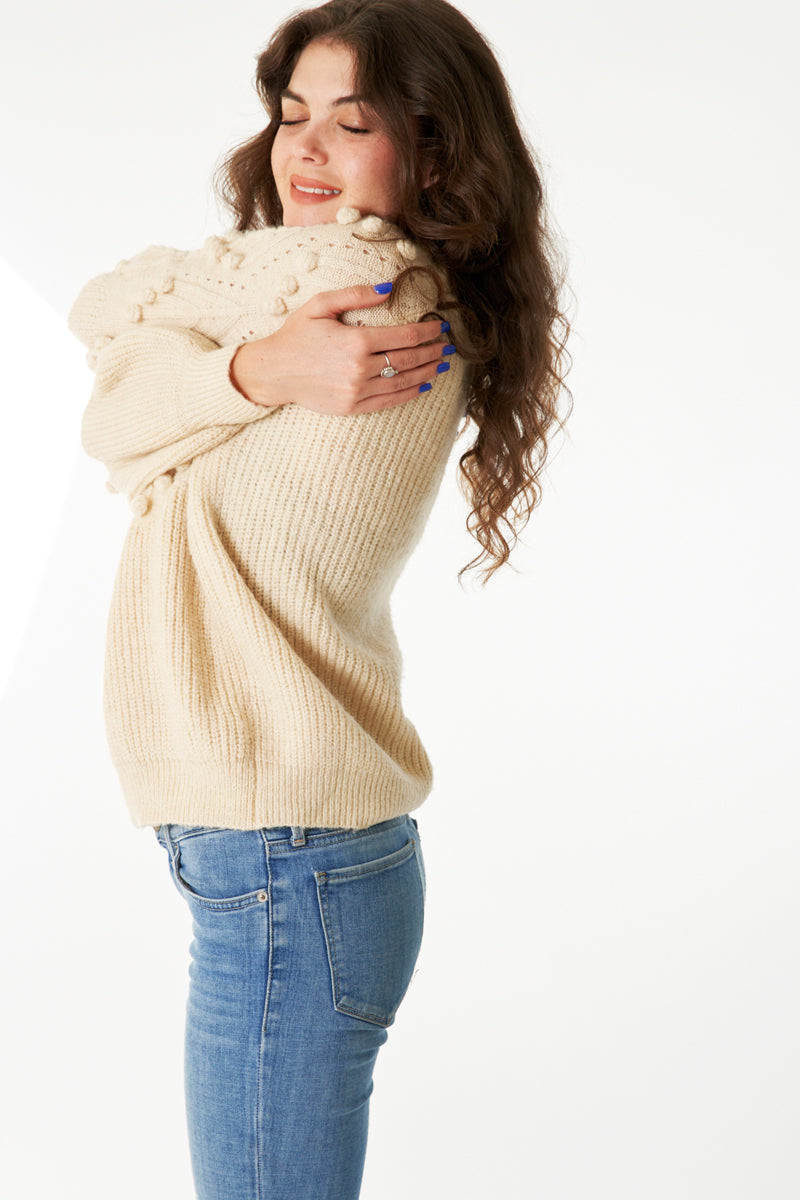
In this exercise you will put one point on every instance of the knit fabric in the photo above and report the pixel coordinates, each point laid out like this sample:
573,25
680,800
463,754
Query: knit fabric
252,673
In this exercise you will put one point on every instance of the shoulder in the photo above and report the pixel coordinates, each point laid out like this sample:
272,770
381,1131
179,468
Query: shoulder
294,261
352,246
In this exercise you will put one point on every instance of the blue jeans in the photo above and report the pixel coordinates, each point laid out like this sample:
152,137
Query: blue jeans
305,942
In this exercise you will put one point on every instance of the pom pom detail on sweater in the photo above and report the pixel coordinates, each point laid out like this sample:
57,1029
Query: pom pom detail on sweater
407,249
162,483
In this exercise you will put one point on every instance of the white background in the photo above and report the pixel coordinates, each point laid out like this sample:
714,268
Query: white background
606,1002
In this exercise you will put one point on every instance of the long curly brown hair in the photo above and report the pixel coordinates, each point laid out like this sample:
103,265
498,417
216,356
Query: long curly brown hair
433,84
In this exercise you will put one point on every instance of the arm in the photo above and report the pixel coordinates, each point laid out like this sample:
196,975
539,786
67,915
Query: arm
163,391
160,286
160,398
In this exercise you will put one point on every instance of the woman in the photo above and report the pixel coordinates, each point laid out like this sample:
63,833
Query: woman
279,408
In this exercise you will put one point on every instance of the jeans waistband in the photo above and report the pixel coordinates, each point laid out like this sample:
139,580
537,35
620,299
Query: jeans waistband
297,835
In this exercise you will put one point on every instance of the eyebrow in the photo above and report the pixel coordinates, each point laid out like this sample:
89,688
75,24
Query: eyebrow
286,94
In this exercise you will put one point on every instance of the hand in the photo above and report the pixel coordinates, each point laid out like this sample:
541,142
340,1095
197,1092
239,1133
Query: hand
317,362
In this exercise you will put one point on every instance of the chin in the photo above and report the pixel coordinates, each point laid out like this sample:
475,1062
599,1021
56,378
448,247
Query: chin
310,216
313,217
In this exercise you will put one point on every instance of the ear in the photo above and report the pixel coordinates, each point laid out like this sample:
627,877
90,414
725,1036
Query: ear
429,176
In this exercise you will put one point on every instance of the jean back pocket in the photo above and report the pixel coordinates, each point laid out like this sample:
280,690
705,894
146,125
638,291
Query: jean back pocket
372,915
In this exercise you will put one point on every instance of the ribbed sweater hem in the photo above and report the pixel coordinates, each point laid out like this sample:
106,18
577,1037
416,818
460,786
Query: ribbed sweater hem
242,795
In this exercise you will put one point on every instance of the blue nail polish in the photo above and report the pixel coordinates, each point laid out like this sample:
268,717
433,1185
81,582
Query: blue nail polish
424,387
442,367
383,288
445,326
449,350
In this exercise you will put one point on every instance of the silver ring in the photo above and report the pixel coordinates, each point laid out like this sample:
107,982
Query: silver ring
388,371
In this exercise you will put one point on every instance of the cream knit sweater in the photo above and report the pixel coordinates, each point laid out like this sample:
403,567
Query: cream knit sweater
252,673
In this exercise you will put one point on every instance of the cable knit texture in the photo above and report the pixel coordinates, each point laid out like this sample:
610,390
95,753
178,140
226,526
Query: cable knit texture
252,672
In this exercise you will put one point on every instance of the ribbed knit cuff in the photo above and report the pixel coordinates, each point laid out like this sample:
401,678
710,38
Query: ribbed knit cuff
208,395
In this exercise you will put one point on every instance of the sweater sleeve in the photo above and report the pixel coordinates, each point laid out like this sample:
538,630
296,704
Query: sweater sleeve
162,393
160,398
158,286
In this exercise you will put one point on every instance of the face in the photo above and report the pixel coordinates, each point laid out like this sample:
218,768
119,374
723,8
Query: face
327,153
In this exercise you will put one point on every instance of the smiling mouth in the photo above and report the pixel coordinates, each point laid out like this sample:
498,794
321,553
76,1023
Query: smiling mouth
317,191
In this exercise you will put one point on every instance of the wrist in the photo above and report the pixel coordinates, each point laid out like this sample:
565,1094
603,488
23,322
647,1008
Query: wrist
249,376
239,375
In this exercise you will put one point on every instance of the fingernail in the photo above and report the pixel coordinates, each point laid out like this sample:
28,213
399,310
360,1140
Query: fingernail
424,387
445,326
442,367
383,288
449,350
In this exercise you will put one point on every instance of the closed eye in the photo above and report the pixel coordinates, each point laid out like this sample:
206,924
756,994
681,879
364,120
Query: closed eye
349,128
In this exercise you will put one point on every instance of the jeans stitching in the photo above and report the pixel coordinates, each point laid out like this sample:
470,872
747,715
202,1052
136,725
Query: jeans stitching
385,863
267,994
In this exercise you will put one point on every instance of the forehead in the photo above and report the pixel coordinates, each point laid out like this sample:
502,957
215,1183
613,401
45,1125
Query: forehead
323,68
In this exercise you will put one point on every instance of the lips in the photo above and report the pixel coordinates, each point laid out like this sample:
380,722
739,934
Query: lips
312,191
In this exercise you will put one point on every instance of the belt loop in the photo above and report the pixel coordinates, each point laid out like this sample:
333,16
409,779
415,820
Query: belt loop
171,845
298,835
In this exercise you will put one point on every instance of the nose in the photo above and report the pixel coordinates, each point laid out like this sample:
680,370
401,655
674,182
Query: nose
310,145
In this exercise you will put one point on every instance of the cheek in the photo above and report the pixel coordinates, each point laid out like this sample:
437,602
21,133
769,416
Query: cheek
280,156
275,157
383,172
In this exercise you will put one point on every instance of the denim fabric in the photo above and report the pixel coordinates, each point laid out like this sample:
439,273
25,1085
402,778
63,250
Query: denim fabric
304,944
